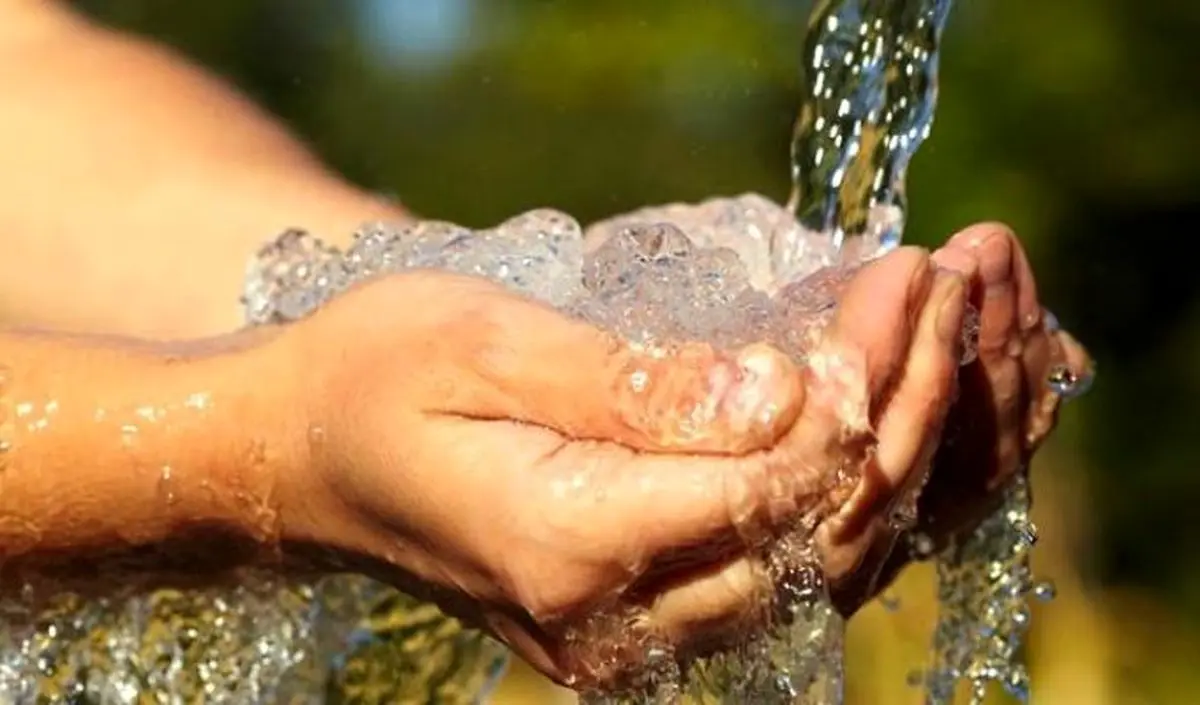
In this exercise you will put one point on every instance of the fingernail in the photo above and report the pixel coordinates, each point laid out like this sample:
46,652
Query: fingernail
952,304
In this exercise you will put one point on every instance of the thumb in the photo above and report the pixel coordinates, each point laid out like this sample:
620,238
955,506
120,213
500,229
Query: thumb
518,359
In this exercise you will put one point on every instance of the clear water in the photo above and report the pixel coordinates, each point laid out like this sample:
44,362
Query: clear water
870,93
729,271
984,587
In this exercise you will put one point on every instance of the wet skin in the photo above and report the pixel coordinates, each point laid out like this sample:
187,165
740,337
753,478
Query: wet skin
553,517
485,451
517,474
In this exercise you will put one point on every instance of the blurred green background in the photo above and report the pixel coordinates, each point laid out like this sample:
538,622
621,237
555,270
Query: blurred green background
1076,121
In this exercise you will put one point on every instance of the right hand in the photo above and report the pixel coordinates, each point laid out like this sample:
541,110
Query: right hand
488,452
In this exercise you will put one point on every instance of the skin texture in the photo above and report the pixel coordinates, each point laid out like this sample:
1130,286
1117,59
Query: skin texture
437,432
124,457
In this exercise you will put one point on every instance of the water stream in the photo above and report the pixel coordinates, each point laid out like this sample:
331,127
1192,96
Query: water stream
727,271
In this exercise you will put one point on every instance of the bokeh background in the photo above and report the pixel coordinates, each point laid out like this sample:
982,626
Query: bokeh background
1076,121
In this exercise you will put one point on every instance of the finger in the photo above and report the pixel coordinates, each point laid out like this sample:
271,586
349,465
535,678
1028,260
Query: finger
708,605
1041,412
862,352
1029,309
910,427
1002,383
693,615
516,359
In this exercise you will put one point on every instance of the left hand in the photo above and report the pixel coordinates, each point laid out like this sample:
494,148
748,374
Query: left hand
1006,407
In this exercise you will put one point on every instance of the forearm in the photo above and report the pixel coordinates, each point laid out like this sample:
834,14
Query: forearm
115,451
136,187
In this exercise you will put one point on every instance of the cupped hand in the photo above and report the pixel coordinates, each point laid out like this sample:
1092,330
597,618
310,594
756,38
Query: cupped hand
526,469
1007,404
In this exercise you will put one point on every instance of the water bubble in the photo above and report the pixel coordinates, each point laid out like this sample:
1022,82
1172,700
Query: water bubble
1027,532
1062,380
1050,322
921,546
1044,591
129,434
970,336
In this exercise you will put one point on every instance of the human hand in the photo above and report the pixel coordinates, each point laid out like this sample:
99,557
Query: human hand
520,468
1006,405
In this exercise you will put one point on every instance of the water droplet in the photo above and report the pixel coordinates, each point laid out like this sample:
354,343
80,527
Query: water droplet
921,546
1050,321
1027,532
198,401
1062,380
889,602
1045,591
129,434
166,486
638,381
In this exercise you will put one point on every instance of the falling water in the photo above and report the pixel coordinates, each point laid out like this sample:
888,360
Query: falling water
871,80
870,92
728,271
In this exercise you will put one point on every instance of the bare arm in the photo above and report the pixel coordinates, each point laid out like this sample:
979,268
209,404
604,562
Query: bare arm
134,186
115,451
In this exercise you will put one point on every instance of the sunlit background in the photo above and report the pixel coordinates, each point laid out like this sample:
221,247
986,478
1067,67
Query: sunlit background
1076,121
